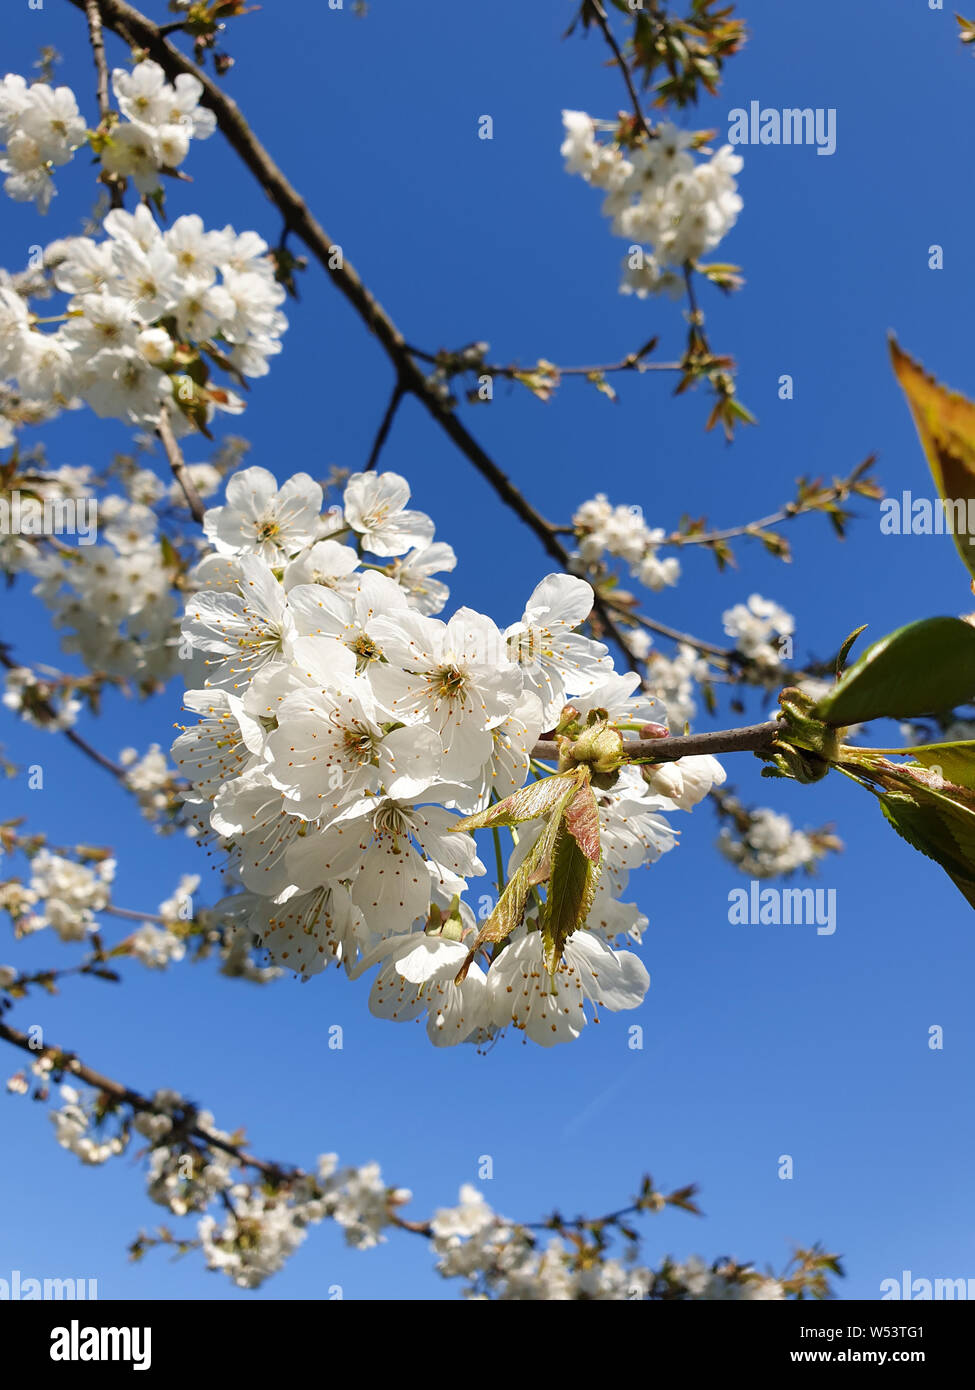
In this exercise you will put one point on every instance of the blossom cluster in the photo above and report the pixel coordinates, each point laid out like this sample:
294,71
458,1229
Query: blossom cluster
770,845
343,732
149,312
657,195
150,779
42,127
70,889
63,893
113,600
111,596
160,120
142,303
25,692
502,1260
758,628
75,1130
263,1225
604,529
674,679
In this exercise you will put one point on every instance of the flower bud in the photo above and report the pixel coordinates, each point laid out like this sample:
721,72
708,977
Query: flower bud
654,731
600,747
567,719
664,778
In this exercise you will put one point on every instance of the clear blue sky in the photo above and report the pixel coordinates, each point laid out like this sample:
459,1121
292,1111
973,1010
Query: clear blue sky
760,1041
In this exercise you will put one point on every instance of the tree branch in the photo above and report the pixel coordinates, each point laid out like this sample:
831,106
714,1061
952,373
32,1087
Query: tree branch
750,739
174,454
603,21
47,708
67,1061
385,425
93,14
129,23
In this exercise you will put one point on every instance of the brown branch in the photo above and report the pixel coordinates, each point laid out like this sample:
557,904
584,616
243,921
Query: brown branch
47,708
751,739
633,361
624,67
385,425
729,655
93,14
174,454
67,1061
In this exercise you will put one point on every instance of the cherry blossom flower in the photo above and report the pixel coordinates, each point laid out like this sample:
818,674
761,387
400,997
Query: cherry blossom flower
555,660
552,1009
260,518
375,508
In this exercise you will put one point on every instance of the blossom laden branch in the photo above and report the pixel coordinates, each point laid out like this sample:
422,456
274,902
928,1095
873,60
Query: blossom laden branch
136,28
191,1165
64,1061
813,496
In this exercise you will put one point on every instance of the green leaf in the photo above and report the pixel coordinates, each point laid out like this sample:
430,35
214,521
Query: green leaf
506,916
922,828
582,822
844,651
919,669
938,820
537,799
571,890
566,856
946,427
170,555
534,869
956,760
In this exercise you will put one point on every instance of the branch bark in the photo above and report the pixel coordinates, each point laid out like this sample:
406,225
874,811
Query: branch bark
124,1094
80,743
385,425
174,454
750,739
94,17
602,20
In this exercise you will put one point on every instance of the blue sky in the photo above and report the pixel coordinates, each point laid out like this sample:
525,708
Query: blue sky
759,1041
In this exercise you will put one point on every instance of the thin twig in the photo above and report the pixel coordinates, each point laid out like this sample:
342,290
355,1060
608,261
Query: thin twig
98,50
113,182
130,915
174,454
399,391
68,1062
675,635
603,21
47,708
633,361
